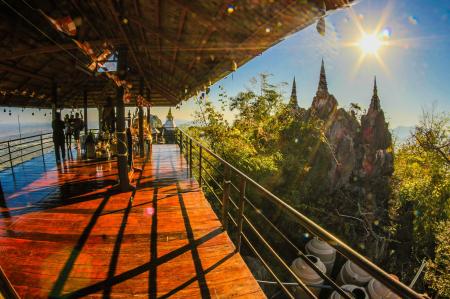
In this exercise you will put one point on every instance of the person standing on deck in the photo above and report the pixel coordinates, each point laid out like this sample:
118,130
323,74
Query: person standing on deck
58,137
77,127
68,133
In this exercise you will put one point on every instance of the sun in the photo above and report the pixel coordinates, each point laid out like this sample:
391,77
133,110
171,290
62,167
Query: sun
370,44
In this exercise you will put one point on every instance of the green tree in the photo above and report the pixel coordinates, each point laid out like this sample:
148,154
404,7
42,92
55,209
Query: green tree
422,200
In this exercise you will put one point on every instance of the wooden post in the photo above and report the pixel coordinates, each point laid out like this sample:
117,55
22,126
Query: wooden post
225,197
122,151
141,122
148,108
85,102
100,116
241,212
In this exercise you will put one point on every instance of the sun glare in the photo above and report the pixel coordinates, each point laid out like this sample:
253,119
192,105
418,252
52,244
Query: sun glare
370,44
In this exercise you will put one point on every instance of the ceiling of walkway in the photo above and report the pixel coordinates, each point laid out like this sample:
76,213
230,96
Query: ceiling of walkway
176,48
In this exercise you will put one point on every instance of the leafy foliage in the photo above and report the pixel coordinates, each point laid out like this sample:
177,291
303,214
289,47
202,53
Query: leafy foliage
422,198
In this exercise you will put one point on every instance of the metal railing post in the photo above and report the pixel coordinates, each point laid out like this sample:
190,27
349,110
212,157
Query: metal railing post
200,166
181,142
240,219
226,196
42,148
10,157
190,157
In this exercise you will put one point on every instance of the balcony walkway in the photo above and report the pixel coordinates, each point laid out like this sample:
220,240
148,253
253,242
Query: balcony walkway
65,234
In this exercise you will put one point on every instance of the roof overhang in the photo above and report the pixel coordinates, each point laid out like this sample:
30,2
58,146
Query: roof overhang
177,47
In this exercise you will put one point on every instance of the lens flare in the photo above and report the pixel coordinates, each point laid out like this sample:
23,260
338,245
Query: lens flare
370,44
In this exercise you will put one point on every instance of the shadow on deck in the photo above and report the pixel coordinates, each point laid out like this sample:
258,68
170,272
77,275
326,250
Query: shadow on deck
64,234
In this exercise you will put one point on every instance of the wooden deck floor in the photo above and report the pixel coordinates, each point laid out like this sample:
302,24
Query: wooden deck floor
64,234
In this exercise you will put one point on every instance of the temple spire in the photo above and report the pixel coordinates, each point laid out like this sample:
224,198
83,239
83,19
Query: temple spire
169,115
323,86
375,90
375,102
293,101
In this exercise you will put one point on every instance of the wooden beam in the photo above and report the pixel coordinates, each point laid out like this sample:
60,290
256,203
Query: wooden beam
200,14
158,27
49,49
24,72
205,38
155,31
180,31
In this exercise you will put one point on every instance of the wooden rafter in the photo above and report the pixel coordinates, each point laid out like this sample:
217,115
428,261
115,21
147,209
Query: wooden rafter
179,32
24,72
158,27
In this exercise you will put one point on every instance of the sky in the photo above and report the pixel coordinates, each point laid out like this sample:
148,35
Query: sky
412,66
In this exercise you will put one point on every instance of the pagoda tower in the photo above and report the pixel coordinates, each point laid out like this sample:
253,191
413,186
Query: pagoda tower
323,103
293,102
376,137
169,128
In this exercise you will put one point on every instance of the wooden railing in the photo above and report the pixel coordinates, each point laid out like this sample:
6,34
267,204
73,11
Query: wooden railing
245,214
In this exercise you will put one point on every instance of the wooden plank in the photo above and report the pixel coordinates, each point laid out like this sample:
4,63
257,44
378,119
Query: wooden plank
78,239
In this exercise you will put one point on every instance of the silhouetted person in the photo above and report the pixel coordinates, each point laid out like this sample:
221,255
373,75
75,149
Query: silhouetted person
78,125
68,133
58,137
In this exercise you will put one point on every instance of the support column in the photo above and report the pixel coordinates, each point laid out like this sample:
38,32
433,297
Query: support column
122,152
148,108
141,121
150,124
85,102
100,116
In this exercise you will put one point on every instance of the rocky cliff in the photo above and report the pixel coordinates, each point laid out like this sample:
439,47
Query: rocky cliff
351,167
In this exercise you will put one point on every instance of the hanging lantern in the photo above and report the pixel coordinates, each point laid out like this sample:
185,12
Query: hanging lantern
234,66
321,26
321,22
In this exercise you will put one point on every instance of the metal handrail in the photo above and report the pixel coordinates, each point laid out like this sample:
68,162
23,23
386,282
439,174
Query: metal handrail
6,288
185,141
11,148
27,137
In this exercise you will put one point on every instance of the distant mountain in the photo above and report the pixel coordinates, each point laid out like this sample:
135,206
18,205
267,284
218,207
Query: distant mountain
402,133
